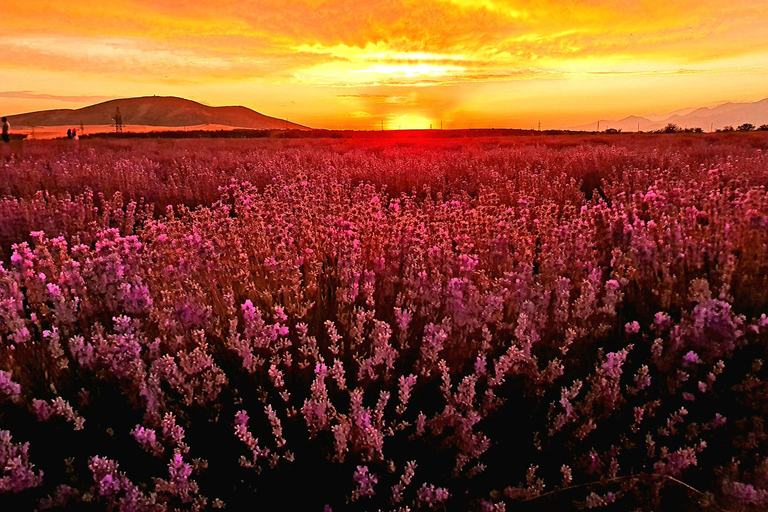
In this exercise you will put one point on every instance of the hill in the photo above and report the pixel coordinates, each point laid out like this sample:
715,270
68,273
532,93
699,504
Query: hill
154,111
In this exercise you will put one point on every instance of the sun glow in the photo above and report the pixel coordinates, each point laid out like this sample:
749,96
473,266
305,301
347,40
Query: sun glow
412,56
408,122
410,70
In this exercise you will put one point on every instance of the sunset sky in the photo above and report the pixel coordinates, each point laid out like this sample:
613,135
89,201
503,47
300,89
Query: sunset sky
408,63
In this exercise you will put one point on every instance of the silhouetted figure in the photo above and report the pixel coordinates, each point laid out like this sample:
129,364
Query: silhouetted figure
69,133
6,149
6,130
74,134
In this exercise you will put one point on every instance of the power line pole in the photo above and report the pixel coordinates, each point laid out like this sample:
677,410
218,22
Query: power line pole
539,125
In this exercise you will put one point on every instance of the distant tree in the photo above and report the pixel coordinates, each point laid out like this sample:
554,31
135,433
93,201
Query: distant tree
746,127
613,130
118,119
763,128
728,128
672,128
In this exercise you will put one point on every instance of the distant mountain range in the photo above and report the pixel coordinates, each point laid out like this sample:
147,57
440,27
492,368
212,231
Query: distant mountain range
706,118
154,111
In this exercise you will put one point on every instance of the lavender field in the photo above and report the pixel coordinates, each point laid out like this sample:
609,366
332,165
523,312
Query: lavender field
526,323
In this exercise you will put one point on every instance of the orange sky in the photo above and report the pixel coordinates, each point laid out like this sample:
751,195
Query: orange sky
408,63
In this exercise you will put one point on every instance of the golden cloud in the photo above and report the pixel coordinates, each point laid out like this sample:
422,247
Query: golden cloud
402,39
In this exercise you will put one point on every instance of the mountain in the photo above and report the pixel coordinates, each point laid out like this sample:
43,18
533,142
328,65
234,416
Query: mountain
660,117
154,111
706,118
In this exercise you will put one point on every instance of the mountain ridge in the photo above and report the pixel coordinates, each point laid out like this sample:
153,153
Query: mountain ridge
714,117
161,111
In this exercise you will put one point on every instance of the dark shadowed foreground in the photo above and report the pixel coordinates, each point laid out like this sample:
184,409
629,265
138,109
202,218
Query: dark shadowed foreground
549,323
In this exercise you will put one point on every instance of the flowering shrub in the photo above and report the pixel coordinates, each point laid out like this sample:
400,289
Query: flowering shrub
475,325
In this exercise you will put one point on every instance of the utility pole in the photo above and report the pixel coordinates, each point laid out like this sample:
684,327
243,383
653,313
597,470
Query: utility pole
598,126
539,125
441,125
382,125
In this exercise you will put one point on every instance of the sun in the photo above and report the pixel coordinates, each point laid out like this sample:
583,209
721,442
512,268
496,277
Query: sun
409,122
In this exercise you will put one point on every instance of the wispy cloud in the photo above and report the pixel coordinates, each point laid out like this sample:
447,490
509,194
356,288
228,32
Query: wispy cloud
402,38
28,95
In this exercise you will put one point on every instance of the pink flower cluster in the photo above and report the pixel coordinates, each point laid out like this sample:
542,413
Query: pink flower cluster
463,325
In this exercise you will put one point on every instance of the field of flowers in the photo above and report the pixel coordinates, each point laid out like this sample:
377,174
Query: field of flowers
532,323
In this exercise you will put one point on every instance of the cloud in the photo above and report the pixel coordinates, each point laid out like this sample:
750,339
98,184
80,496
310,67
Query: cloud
28,95
140,59
387,99
681,71
279,39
